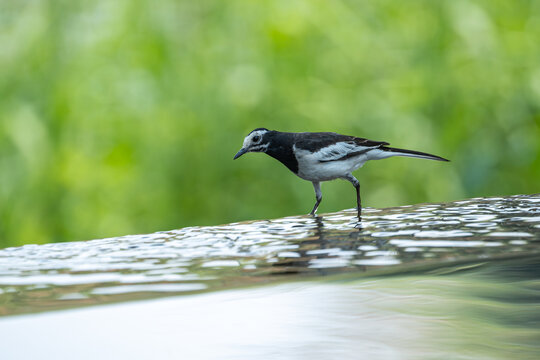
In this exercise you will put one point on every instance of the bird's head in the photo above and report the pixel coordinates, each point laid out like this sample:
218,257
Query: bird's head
254,142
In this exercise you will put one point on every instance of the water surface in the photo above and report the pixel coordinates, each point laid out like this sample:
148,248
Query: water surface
419,239
433,281
487,311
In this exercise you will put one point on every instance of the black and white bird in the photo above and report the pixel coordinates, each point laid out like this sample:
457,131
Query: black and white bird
323,156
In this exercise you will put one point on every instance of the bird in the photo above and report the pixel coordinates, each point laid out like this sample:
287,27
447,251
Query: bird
323,156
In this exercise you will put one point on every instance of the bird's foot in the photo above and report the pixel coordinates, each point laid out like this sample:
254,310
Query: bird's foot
359,215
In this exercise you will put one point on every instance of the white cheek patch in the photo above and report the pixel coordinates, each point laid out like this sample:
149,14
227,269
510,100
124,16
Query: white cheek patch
263,147
248,141
259,148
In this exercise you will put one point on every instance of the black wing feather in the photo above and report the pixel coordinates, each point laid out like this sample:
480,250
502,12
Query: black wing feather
314,142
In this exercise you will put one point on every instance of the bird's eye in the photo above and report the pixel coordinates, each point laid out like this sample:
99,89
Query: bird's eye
256,138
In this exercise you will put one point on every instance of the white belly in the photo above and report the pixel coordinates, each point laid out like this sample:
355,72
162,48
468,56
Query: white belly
310,168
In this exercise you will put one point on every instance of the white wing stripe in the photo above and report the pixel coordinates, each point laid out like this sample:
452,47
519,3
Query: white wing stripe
339,150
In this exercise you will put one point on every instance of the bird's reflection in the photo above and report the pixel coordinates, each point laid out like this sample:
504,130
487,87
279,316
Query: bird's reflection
325,242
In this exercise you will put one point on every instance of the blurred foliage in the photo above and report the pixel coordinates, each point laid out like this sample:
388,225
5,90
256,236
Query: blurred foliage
122,116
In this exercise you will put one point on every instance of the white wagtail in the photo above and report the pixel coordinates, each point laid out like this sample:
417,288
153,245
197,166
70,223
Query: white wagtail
323,156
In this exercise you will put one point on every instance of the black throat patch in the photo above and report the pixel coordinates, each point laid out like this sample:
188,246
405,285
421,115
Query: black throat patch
281,148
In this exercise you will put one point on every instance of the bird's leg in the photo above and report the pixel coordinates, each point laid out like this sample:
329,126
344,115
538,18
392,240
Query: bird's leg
318,195
356,185
358,201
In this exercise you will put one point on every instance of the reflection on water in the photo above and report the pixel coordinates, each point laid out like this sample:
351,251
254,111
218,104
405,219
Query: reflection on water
488,310
421,238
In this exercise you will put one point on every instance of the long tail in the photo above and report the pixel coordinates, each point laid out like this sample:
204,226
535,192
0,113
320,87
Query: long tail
389,151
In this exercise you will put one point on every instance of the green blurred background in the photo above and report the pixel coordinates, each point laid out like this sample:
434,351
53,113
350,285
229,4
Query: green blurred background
123,116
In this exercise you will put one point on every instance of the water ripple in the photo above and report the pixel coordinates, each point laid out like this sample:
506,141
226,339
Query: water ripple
214,257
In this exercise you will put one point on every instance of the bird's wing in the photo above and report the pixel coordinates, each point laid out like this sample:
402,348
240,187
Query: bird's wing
335,147
343,150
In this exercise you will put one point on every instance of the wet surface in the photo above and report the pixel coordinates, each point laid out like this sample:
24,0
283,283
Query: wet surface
431,237
489,310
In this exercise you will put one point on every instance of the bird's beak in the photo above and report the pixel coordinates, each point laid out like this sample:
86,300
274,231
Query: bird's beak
240,153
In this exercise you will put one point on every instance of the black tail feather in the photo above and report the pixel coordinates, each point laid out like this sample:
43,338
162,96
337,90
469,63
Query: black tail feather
413,153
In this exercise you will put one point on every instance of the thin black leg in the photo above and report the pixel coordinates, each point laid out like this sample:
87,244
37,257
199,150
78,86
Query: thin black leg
318,195
356,185
358,201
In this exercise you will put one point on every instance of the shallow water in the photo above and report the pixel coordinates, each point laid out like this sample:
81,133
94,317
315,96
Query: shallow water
487,311
432,238
433,281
